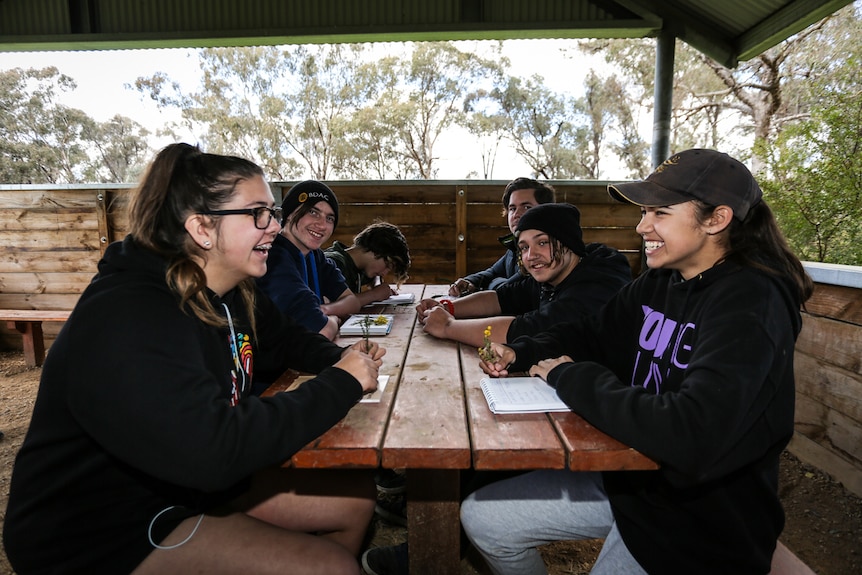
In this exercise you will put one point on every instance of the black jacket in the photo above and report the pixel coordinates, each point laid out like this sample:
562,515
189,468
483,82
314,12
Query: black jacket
697,375
536,307
141,408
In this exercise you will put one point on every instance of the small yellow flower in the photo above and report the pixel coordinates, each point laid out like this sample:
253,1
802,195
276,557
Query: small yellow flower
485,352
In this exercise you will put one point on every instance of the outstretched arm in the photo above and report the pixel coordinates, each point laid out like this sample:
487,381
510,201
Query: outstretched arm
441,324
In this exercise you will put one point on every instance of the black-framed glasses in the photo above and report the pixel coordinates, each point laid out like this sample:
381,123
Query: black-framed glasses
262,215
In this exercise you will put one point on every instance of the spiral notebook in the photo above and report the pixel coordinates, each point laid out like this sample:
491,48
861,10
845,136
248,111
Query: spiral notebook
521,395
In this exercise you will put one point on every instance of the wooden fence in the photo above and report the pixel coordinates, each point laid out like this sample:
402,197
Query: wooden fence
52,237
828,367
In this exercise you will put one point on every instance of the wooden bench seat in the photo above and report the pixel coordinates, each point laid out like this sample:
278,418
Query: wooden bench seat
28,322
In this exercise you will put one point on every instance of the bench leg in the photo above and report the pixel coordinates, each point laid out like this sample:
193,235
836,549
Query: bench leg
32,341
434,521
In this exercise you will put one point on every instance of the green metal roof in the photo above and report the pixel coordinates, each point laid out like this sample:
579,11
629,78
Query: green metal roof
728,30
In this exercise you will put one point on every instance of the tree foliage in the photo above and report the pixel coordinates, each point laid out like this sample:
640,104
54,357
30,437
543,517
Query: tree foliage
815,163
380,110
43,141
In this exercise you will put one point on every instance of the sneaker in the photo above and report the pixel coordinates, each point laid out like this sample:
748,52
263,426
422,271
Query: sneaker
392,509
390,560
390,482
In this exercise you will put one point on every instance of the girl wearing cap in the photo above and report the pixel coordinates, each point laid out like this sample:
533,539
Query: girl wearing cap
146,452
302,282
690,364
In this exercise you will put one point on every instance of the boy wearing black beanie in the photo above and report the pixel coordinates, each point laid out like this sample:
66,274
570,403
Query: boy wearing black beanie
563,279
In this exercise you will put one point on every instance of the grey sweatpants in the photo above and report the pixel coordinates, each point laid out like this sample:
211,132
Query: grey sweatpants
507,520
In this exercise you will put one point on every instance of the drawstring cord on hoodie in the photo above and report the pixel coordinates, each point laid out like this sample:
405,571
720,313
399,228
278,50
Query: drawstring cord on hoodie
234,349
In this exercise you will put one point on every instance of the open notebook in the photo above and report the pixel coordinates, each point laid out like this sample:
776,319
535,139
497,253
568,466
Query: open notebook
398,299
378,324
520,395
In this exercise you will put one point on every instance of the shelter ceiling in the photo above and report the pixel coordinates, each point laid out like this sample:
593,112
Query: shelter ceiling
730,31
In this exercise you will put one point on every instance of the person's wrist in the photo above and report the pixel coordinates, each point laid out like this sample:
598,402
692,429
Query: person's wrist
448,306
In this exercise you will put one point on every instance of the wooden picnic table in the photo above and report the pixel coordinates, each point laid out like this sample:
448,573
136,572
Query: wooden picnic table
433,421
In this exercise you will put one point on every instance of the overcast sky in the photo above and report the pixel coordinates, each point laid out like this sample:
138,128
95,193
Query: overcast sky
102,76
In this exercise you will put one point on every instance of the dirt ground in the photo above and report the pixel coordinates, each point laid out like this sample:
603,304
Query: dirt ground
824,520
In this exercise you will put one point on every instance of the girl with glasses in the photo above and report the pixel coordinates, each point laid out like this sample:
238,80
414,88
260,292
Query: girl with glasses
146,451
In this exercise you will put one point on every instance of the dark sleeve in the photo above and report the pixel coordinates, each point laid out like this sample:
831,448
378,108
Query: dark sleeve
283,284
332,283
285,344
734,404
588,287
582,298
169,392
497,283
483,279
519,297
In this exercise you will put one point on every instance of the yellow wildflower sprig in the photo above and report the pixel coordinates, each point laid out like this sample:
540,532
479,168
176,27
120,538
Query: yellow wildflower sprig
366,322
485,352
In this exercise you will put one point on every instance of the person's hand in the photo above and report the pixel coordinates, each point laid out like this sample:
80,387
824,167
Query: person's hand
544,367
382,292
436,320
369,346
424,305
499,367
461,287
362,366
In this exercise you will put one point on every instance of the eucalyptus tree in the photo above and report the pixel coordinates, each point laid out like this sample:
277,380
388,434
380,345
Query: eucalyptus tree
238,108
40,139
815,163
541,126
427,93
121,150
731,109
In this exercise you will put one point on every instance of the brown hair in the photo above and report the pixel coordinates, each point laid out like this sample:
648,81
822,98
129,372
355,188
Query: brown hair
758,242
544,193
386,241
180,181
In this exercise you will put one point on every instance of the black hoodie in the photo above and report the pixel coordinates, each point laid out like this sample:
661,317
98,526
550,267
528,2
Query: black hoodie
697,375
601,272
141,408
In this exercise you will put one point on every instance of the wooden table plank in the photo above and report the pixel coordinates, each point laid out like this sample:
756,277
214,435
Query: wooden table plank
511,441
591,449
428,426
357,439
428,435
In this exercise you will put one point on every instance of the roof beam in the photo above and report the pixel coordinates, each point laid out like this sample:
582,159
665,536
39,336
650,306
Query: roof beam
791,20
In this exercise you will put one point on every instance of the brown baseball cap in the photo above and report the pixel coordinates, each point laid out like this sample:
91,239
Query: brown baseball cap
697,174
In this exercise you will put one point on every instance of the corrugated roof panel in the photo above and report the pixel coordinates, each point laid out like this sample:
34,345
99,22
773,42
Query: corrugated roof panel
724,29
731,18
38,17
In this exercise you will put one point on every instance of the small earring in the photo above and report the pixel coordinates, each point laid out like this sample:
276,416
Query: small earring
207,244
